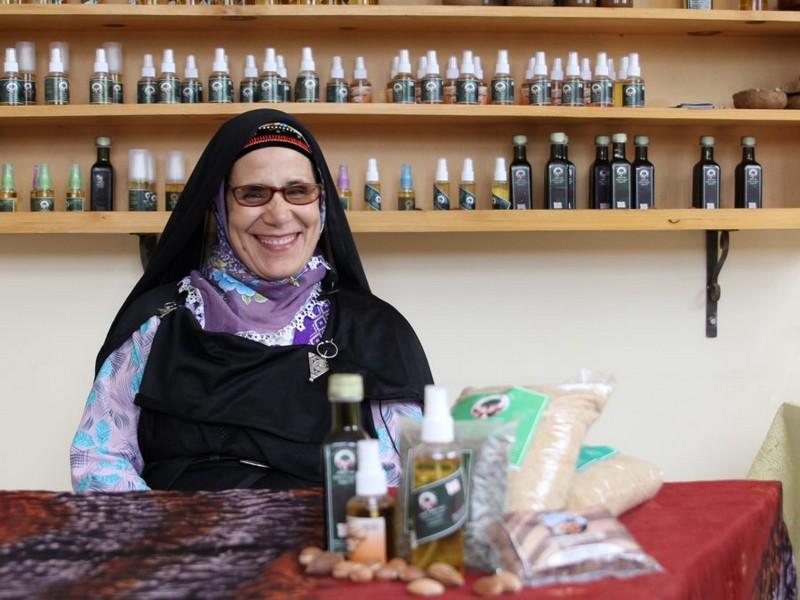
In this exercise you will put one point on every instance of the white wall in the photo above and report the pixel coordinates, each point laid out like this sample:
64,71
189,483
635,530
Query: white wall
488,309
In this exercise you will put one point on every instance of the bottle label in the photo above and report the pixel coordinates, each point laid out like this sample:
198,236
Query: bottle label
11,91
339,462
466,199
602,187
248,91
406,203
366,539
306,89
432,91
404,91
441,198
752,186
521,188
539,93
8,205
699,4
372,196
621,188
503,90
169,90
56,90
220,89
336,92
192,92
644,187
710,186
633,94
28,89
467,91
270,89
572,93
439,508
100,90
500,199
146,92
141,200
171,200
117,92
75,203
557,186
43,204
603,92
361,94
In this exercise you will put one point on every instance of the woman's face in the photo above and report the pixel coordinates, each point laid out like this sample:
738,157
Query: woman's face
274,241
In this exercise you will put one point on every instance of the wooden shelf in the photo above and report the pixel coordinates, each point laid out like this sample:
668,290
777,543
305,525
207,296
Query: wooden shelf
382,113
453,221
399,18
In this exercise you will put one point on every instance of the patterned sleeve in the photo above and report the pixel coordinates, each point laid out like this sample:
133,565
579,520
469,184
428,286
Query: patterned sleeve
105,455
385,415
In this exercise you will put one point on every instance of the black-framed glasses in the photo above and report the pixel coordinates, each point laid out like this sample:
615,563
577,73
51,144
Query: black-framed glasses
259,195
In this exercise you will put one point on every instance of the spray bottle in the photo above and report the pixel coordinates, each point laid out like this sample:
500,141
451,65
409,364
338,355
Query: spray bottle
337,88
483,89
525,89
56,84
76,197
287,85
343,187
26,55
602,88
11,83
138,188
633,86
372,186
451,78
432,85
306,86
147,85
175,178
169,86
466,189
557,82
501,199
8,193
541,89
43,198
422,72
404,86
220,85
502,82
441,186
270,85
248,86
467,84
572,88
406,199
191,87
620,81
361,88
114,57
586,76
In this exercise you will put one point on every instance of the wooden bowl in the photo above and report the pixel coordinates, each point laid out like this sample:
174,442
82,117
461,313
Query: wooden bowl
758,98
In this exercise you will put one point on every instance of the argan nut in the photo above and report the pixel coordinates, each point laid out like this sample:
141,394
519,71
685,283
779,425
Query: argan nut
361,574
488,586
386,573
342,570
446,574
323,563
410,573
511,583
425,587
398,564
307,554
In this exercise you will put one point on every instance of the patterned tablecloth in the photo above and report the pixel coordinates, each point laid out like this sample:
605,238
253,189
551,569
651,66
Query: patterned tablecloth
722,539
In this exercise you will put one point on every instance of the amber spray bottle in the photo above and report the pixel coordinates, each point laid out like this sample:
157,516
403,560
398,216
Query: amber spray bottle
500,191
432,84
404,86
406,199
540,89
502,82
451,77
372,186
269,84
361,88
441,186
466,189
306,85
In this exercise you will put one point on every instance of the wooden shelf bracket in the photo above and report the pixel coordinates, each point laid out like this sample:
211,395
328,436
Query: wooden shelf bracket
717,247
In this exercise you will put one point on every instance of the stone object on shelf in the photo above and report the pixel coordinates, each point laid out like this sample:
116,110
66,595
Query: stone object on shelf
760,98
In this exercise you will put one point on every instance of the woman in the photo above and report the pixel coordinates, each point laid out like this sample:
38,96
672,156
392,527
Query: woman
213,374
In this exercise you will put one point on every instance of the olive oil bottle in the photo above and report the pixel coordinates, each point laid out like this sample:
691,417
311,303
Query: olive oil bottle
556,188
520,176
706,177
749,177
621,188
600,176
644,176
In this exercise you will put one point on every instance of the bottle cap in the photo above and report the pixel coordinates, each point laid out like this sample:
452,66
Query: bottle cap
8,177
404,62
26,57
307,60
707,140
114,57
270,61
540,65
476,62
500,172
148,68
100,62
372,170
633,65
530,67
75,177
168,61
137,164
370,476
343,181
467,172
586,69
56,64
175,167
601,140
749,141
250,67
619,138
452,68
433,63
566,140
557,72
467,64
612,73
190,71
103,142
501,66
519,140
437,424
641,140
44,177
573,69
151,166
601,66
11,65
623,68
422,67
345,387
558,137
360,70
395,66
441,170
220,61
64,47
406,181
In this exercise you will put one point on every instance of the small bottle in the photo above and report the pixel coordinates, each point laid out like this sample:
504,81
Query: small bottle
502,82
26,58
146,86
644,176
43,198
392,75
612,73
572,88
706,177
8,192
306,86
600,176
441,186
621,188
406,199
175,178
466,189
525,88
191,86
520,176
370,513
586,76
56,84
556,190
541,89
337,88
11,83
101,178
248,86
602,87
451,77
633,86
360,88
270,85
618,83
467,83
339,455
404,86
432,85
437,482
287,85
372,186
76,198
500,191
169,86
220,85
483,89
115,65
556,83
343,187
35,185
422,71
139,194
572,176
749,177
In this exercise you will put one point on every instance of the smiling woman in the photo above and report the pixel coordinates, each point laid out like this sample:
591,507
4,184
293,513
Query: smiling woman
205,380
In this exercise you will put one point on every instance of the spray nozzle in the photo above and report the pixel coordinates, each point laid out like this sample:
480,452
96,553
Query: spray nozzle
148,67
100,62
502,67
437,424
168,61
360,70
220,61
467,171
307,60
467,63
250,68
190,71
337,70
406,182
343,181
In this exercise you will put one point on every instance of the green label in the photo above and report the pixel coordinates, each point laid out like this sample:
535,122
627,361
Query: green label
75,203
11,91
146,92
28,89
439,508
169,90
404,91
171,200
248,91
467,91
503,90
117,92
56,90
339,463
515,404
100,90
192,92
572,93
270,89
466,199
603,92
8,205
710,186
540,92
306,89
633,94
43,204
220,89
500,202
441,199
592,454
141,200
557,186
336,92
621,185
432,90
372,196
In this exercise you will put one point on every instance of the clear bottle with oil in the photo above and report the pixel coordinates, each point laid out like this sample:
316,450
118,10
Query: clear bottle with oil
360,88
174,179
602,86
644,176
26,56
540,90
467,83
520,176
392,74
370,513
467,200
287,85
586,76
191,86
43,198
422,71
343,187
621,184
749,177
339,455
633,86
441,186
572,88
600,176
11,82
220,84
337,90
404,86
115,68
406,198
248,86
483,89
147,86
556,188
76,197
372,186
432,85
56,84
501,195
169,86
8,192
706,177
525,88
556,82
620,80
270,84
451,77
306,85
502,83
436,495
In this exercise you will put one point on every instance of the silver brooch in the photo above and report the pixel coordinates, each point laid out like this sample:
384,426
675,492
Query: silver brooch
317,366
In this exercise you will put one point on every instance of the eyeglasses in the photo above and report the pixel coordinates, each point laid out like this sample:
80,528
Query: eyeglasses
259,195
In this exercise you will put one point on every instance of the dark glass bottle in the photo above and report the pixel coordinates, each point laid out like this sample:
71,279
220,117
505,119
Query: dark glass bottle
101,186
621,186
644,173
520,176
706,177
749,177
572,175
600,176
556,175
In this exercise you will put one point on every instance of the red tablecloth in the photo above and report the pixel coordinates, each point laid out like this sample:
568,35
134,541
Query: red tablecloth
723,539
